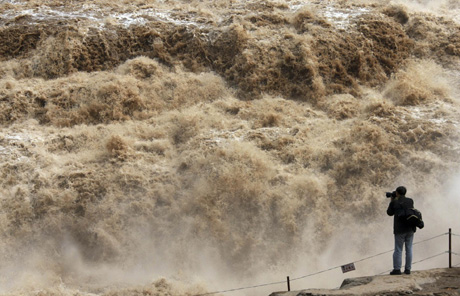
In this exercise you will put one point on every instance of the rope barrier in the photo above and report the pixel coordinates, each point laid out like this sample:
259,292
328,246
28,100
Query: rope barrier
431,257
370,257
428,239
385,272
298,278
243,288
315,273
455,253
329,269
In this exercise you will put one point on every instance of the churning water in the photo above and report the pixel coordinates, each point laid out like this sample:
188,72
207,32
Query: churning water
182,147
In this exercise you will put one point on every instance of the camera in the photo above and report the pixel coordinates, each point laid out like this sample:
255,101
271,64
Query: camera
391,194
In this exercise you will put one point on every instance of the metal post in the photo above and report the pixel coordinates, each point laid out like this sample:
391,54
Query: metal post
450,247
289,284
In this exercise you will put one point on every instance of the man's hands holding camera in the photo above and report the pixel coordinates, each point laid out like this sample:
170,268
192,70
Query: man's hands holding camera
391,194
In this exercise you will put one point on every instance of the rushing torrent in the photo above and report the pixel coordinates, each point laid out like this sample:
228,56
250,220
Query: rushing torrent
183,147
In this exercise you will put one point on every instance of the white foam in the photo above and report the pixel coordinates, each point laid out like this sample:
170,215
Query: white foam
24,137
427,115
12,148
128,19
96,16
342,18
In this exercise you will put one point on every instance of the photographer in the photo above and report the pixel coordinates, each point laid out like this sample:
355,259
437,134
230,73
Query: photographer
403,233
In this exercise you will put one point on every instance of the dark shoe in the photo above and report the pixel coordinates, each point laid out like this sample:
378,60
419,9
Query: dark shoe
395,272
407,271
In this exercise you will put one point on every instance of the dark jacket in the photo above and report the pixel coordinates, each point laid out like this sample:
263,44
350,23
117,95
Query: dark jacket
396,209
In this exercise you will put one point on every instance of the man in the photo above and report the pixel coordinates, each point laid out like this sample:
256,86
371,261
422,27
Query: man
404,234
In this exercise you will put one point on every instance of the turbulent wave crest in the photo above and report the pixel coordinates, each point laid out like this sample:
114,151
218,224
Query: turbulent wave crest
181,147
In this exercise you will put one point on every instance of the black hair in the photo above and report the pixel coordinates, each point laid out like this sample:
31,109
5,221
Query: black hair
401,190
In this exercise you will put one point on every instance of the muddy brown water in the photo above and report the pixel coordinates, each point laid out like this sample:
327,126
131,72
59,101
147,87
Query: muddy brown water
181,147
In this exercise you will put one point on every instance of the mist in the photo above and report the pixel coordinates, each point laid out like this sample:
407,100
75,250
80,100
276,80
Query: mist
186,147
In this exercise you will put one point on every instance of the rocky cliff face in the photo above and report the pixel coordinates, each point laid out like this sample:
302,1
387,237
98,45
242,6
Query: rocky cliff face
441,281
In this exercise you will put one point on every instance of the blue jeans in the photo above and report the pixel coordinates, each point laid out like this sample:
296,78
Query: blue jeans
402,239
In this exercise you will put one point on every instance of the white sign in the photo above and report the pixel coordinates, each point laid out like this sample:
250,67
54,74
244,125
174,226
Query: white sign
348,267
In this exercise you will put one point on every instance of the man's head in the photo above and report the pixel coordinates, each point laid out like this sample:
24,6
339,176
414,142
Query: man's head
401,191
